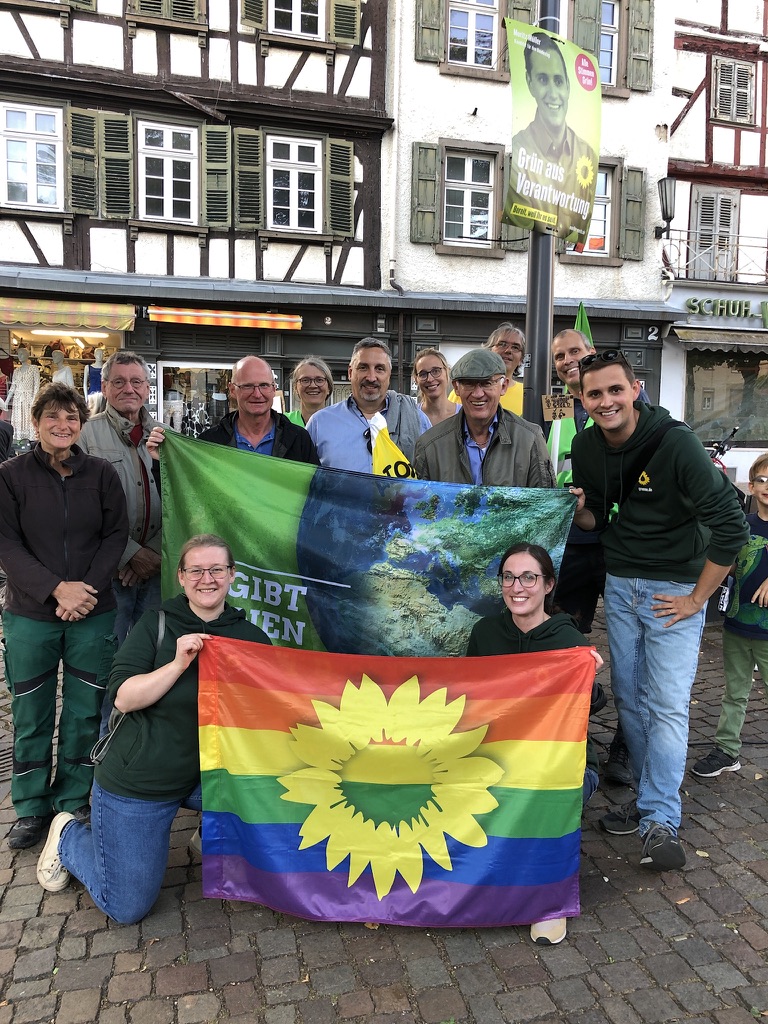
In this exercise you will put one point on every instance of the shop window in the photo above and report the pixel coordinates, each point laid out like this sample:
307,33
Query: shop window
457,197
467,37
620,35
733,91
726,389
193,397
167,172
337,21
617,229
32,156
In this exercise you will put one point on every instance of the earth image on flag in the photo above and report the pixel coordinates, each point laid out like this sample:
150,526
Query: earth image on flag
414,563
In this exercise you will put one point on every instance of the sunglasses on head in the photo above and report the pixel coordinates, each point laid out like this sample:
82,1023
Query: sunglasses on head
611,355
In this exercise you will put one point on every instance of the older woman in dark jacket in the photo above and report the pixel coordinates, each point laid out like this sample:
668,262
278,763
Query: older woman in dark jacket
63,528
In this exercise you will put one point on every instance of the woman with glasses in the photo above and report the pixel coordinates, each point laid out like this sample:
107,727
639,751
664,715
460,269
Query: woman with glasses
432,375
529,624
151,767
313,387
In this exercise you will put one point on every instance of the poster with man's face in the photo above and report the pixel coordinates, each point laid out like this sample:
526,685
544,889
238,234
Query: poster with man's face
556,100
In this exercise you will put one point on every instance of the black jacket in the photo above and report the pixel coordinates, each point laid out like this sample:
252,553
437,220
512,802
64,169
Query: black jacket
291,441
6,440
55,529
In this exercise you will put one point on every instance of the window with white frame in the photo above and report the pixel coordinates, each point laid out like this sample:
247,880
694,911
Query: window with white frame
32,156
297,17
469,199
598,241
168,172
609,41
733,93
295,177
473,26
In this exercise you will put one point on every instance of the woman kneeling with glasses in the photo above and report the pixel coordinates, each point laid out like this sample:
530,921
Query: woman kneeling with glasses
528,625
151,767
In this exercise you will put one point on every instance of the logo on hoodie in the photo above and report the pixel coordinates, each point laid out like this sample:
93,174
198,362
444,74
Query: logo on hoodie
643,481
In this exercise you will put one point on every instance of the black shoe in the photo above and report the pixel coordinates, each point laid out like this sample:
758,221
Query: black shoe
623,822
617,766
715,763
28,831
83,814
662,849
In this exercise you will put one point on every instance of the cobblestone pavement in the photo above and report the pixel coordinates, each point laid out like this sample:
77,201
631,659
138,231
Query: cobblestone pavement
686,945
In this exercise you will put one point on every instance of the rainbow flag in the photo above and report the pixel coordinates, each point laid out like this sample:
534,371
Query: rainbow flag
416,791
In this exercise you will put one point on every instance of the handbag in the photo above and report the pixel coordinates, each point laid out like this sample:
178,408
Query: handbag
116,718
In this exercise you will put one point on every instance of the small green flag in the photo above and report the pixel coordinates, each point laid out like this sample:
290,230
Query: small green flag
582,323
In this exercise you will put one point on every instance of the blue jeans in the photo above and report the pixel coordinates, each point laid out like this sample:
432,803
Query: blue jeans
652,671
121,858
133,601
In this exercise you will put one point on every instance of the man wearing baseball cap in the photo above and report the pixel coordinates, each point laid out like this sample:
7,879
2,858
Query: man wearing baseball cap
484,444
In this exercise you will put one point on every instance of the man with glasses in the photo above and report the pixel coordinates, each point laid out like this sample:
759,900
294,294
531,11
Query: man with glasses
342,432
119,435
484,444
509,342
255,426
676,531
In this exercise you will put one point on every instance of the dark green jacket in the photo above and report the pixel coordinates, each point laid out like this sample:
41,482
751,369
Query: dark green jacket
155,753
680,510
498,634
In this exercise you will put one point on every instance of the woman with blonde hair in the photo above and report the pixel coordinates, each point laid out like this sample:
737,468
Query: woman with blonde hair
433,376
313,387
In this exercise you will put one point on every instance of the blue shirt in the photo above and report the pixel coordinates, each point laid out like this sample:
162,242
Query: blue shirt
475,453
265,445
342,435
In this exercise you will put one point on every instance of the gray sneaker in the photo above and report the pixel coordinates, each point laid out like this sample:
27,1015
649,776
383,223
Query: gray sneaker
715,763
662,849
622,822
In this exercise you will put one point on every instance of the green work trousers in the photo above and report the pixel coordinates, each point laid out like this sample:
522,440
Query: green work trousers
740,655
33,651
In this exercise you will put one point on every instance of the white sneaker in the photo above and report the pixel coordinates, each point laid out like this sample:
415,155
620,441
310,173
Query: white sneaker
549,933
195,843
51,873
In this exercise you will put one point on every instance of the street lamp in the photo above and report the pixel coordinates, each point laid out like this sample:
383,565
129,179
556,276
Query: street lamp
667,200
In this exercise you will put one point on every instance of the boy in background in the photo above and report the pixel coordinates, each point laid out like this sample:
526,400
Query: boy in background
745,632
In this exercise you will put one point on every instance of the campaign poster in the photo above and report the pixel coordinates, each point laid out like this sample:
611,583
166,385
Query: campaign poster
555,133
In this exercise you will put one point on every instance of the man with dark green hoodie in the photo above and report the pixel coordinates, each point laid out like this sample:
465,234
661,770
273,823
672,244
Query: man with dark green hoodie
668,547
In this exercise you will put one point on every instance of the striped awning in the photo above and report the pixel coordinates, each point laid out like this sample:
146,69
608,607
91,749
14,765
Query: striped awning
722,341
55,314
225,318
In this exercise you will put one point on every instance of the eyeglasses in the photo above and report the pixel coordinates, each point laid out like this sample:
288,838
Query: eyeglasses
135,382
611,355
306,381
216,572
759,480
436,371
486,385
248,389
507,346
527,579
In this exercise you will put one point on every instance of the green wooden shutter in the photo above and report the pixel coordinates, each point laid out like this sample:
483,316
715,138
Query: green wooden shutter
425,219
83,5
512,237
82,183
522,10
586,24
340,187
254,12
184,10
249,178
345,22
217,175
154,8
632,228
639,41
430,21
116,166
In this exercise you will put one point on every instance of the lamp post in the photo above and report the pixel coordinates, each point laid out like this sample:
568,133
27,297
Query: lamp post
667,187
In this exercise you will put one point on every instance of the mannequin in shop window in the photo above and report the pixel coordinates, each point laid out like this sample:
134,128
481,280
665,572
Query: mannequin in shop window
62,374
92,375
21,394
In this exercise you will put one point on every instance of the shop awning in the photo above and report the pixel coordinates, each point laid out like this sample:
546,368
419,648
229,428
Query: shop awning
77,315
225,318
722,341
